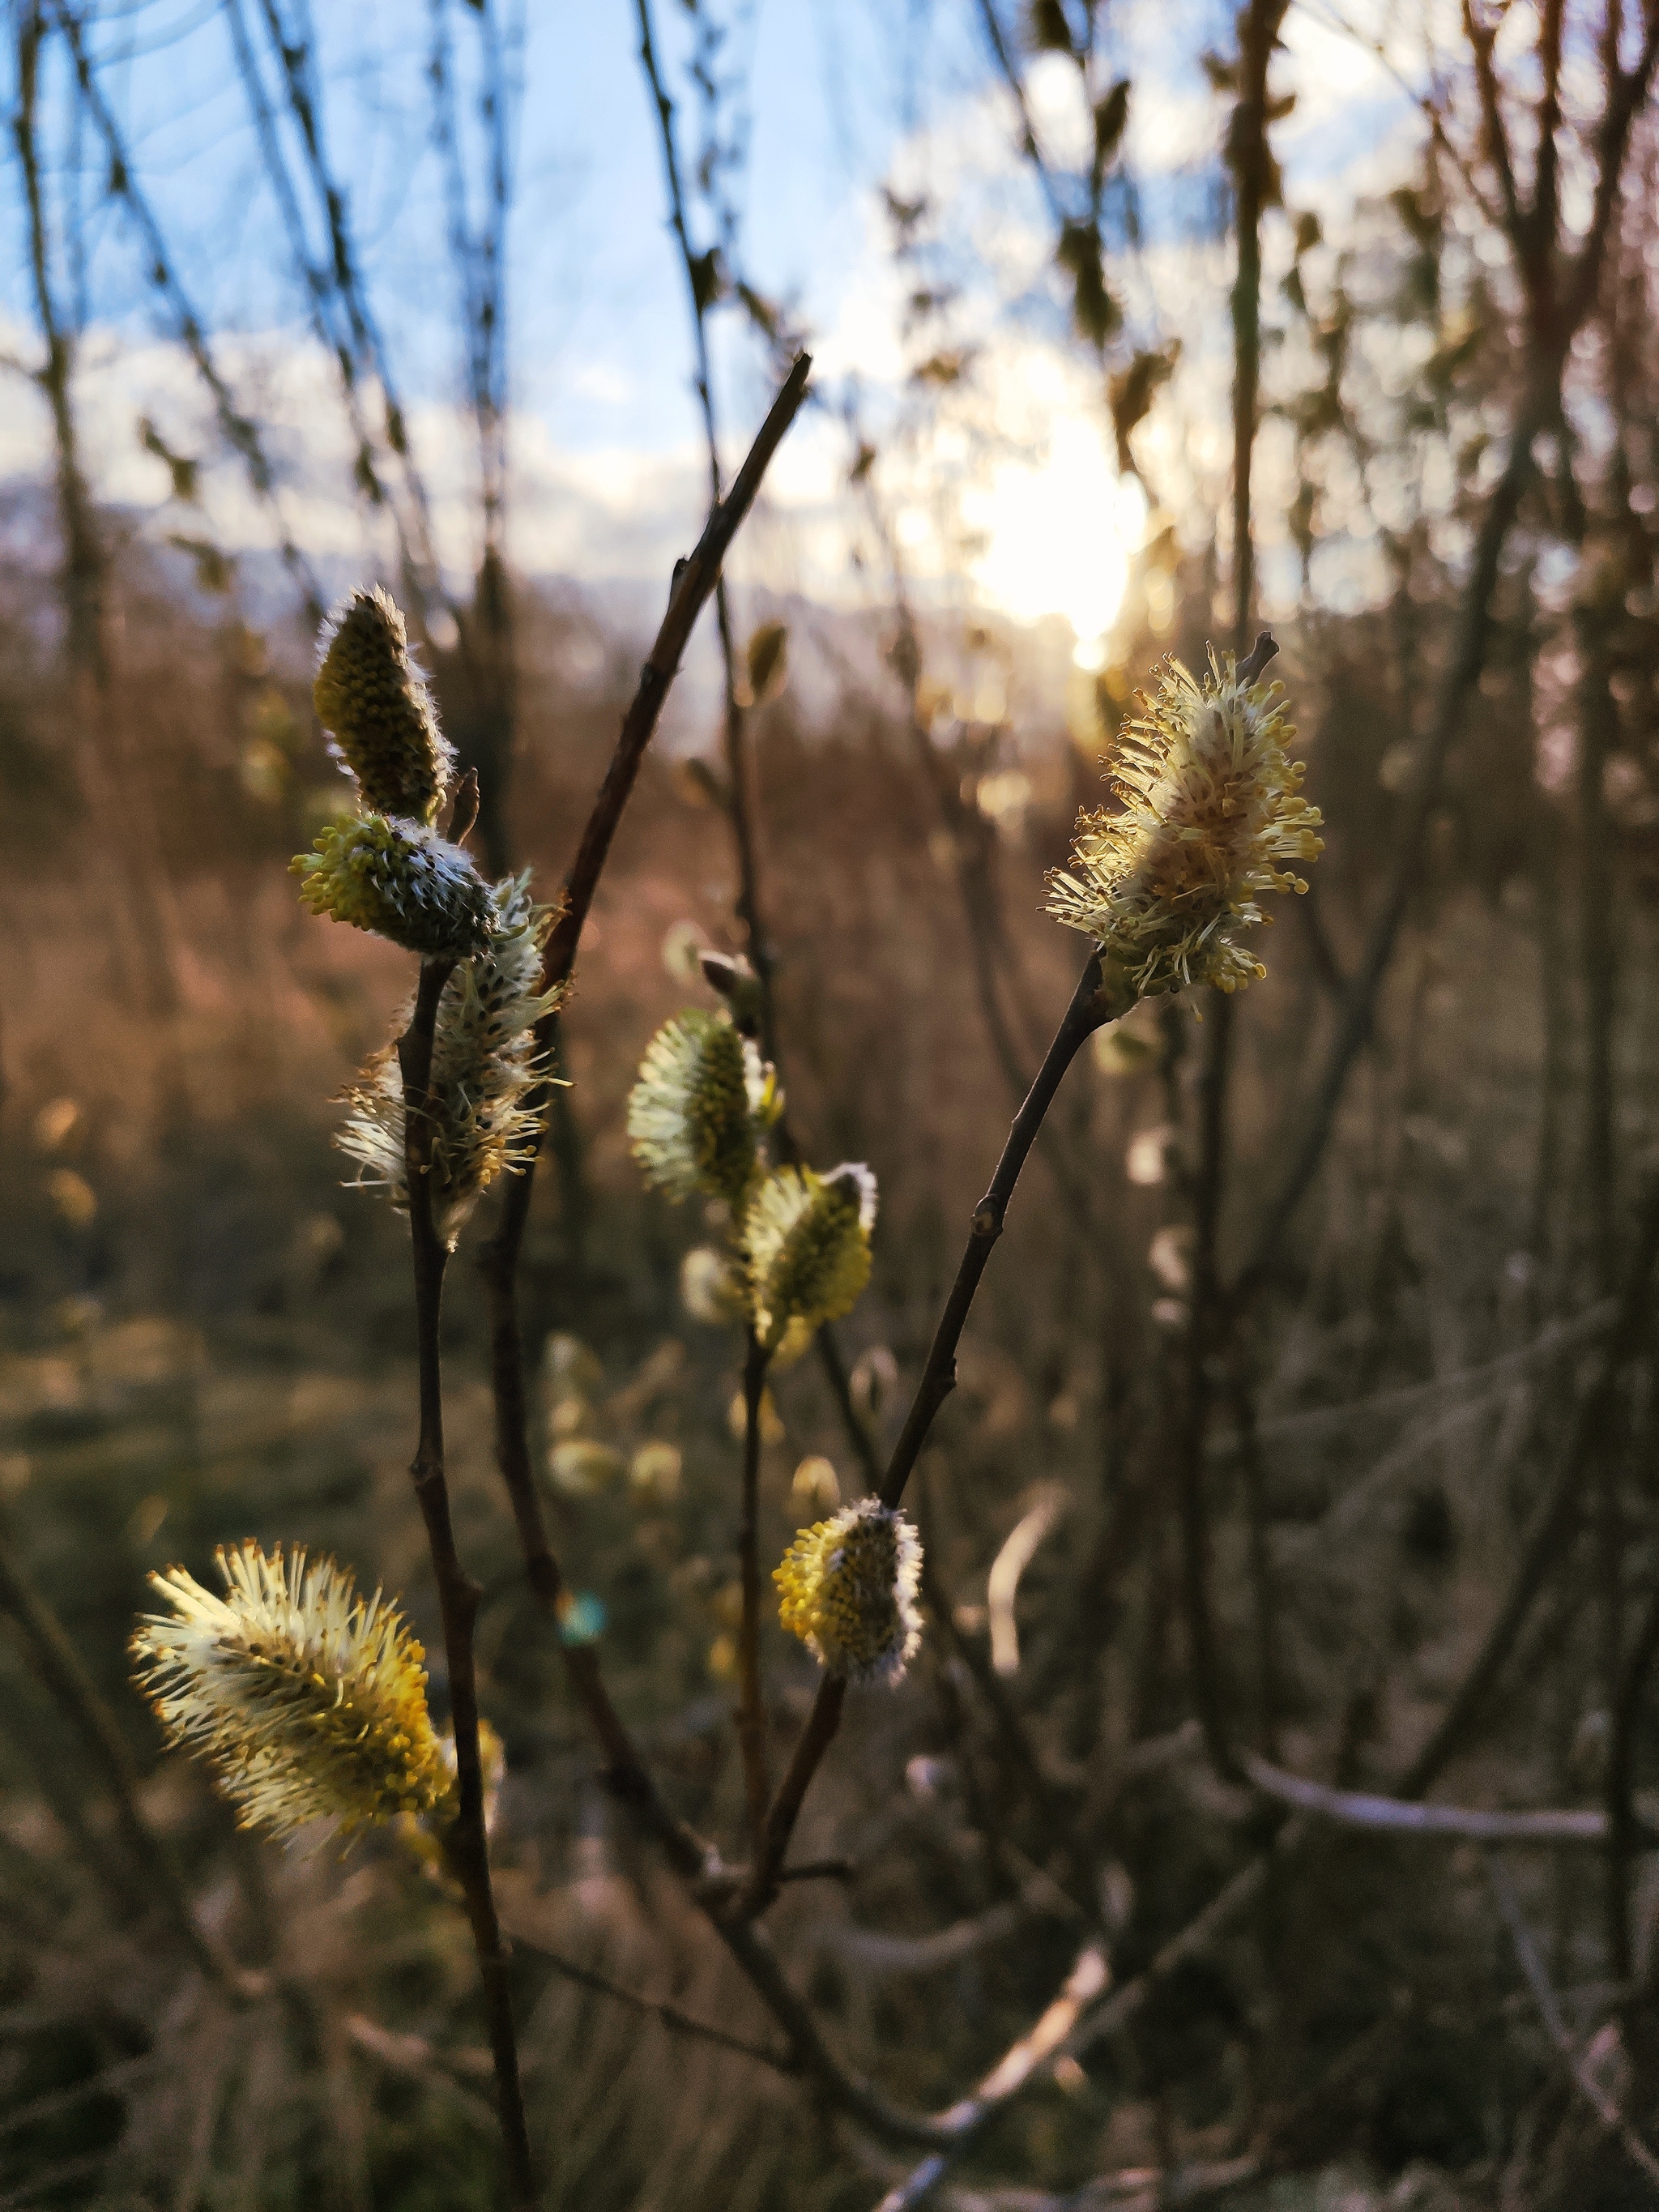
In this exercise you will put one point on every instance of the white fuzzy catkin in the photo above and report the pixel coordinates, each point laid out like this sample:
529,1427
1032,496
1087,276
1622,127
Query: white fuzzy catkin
486,1068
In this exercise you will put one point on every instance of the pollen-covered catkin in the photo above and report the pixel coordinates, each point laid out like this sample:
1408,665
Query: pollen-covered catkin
306,1699
1210,810
486,1070
400,880
848,1587
805,1241
373,701
703,1099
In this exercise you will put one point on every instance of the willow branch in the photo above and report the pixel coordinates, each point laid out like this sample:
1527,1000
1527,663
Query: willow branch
1031,146
1538,408
628,1774
1095,1002
1094,2021
751,1702
673,2016
336,279
1352,1808
1557,1518
1624,1827
1549,2012
1040,2044
739,766
466,1842
693,582
239,431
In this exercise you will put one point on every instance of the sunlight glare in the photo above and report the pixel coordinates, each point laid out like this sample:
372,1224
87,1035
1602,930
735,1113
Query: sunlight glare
1060,530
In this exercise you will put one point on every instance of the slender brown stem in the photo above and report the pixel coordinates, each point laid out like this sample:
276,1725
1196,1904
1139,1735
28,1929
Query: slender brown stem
1540,407
1247,153
1558,1516
1584,2079
693,582
751,1702
467,1842
1262,1575
1204,1325
1208,1319
1098,1000
673,2017
1623,1829
739,798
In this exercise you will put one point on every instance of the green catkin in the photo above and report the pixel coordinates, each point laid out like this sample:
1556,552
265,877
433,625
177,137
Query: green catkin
401,881
487,1068
696,1114
373,701
805,1241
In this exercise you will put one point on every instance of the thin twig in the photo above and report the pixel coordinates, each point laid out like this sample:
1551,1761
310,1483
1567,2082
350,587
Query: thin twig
467,1842
59,1665
1096,2022
239,431
499,1260
738,765
1041,2044
1556,1516
751,1702
671,2015
1352,1808
1623,1829
1096,1001
997,40
1526,1952
1250,161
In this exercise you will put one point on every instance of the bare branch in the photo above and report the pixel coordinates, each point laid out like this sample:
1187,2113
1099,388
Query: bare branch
1351,1808
466,1842
1532,1966
240,432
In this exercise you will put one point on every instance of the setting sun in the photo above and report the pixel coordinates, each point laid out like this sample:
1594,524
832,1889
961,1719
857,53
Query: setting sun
1060,530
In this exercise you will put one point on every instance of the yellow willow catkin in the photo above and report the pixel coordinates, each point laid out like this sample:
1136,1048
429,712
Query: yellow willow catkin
1210,810
848,1588
306,1699
487,1070
805,1246
703,1100
373,701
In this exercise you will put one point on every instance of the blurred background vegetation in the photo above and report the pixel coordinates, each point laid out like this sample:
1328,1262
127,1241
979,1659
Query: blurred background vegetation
1344,1291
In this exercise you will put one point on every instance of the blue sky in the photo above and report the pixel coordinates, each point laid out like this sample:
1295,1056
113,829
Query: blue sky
842,94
